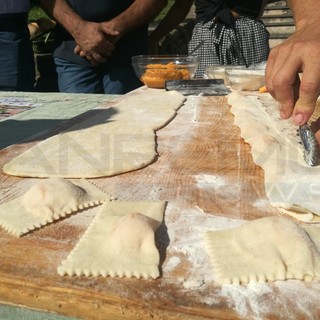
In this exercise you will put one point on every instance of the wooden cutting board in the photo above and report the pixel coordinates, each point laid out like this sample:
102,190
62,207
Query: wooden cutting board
205,172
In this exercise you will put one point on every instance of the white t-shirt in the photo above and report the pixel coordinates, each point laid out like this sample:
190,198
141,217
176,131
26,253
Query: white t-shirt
14,6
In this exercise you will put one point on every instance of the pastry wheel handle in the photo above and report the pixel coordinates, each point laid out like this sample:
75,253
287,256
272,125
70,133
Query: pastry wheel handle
310,144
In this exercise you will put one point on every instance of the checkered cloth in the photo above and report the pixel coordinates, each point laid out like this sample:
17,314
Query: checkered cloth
246,42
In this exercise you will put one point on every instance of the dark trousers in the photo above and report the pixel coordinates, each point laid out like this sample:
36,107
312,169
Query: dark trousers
17,69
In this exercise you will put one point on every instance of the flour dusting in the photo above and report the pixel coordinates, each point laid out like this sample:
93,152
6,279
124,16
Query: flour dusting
172,263
188,264
261,203
305,296
258,299
186,238
248,299
205,180
194,107
84,218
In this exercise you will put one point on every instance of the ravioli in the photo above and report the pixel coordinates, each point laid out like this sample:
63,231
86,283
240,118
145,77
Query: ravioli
48,200
120,241
266,249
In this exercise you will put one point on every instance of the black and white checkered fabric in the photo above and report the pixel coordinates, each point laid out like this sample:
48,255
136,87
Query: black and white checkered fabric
245,42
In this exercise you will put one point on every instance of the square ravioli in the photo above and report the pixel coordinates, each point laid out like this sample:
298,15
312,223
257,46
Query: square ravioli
120,241
48,200
265,249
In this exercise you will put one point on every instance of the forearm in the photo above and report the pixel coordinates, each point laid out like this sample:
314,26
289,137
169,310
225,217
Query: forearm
174,17
63,13
141,12
305,12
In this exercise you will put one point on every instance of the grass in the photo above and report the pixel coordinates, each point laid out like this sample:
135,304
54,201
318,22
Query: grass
36,12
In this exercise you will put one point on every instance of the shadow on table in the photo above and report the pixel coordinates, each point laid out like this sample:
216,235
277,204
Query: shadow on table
162,243
15,131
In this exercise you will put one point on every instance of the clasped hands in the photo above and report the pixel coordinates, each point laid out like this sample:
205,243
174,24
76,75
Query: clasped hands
96,41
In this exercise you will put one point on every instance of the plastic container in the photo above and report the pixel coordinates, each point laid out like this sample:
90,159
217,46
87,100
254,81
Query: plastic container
246,79
218,71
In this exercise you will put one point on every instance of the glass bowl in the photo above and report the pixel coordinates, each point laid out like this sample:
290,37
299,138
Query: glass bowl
153,71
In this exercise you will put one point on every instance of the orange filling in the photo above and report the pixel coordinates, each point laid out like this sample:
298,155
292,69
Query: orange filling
156,74
263,89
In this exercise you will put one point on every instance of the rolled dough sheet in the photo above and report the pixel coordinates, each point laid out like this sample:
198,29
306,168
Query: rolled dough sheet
266,249
120,241
42,201
117,139
291,185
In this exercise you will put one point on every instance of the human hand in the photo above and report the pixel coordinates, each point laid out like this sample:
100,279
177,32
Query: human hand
299,53
95,41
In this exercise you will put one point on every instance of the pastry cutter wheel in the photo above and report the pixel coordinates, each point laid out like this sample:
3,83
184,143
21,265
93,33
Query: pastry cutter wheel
310,145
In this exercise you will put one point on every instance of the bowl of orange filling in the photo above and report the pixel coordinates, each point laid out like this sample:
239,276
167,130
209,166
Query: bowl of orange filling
153,71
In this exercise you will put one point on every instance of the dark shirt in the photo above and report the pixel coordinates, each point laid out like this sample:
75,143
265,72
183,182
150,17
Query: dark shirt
132,43
206,10
14,6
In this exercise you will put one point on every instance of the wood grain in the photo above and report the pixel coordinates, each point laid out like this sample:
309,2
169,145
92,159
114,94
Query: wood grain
200,141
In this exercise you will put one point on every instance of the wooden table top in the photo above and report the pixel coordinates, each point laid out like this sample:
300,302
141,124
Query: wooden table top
205,172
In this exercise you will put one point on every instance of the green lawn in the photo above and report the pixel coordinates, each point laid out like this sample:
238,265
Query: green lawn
36,12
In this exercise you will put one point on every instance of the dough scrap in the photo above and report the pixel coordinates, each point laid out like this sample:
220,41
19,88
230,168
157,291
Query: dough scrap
291,185
116,140
266,249
48,200
120,241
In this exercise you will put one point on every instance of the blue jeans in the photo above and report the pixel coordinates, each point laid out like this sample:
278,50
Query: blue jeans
16,55
76,78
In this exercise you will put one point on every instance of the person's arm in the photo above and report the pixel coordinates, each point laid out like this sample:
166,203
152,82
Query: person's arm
140,12
95,39
173,18
299,53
